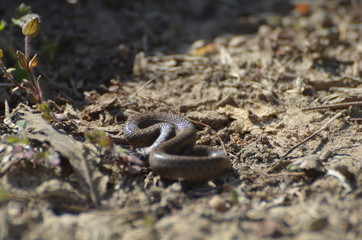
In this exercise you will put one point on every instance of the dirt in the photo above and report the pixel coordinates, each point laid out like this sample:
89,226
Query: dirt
243,71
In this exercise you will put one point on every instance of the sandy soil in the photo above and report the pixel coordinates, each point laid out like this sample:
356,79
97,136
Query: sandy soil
243,71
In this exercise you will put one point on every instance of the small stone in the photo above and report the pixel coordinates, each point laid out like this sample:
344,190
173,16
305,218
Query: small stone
218,203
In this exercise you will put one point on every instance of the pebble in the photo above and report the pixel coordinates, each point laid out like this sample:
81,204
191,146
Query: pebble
218,203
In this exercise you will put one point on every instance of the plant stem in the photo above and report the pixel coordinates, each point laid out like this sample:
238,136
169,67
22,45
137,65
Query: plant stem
34,84
27,48
9,76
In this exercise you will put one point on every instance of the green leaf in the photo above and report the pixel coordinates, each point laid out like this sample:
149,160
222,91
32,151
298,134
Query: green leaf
16,139
99,137
2,24
21,21
19,74
22,10
44,107
1,54
4,196
234,197
105,142
293,168
46,111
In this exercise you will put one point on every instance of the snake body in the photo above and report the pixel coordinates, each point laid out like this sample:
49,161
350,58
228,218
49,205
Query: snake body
172,152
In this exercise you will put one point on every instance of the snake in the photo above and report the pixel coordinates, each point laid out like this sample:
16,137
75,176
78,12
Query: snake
169,141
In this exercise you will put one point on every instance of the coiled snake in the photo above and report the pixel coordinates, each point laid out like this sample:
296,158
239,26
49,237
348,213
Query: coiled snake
172,151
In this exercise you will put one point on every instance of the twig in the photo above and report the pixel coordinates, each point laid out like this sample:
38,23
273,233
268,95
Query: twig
9,76
335,106
212,130
146,83
315,133
7,108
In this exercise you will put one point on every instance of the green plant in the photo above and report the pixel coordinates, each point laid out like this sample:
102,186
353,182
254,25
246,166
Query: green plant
99,138
22,14
119,155
46,112
4,196
30,24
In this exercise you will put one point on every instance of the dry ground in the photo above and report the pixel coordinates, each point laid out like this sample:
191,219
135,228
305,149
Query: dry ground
243,71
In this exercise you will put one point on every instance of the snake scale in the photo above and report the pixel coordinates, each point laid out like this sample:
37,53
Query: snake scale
169,140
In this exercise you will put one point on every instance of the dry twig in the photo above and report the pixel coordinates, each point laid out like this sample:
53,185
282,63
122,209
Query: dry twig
314,134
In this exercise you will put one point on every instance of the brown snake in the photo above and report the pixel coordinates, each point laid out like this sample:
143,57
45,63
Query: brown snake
172,151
